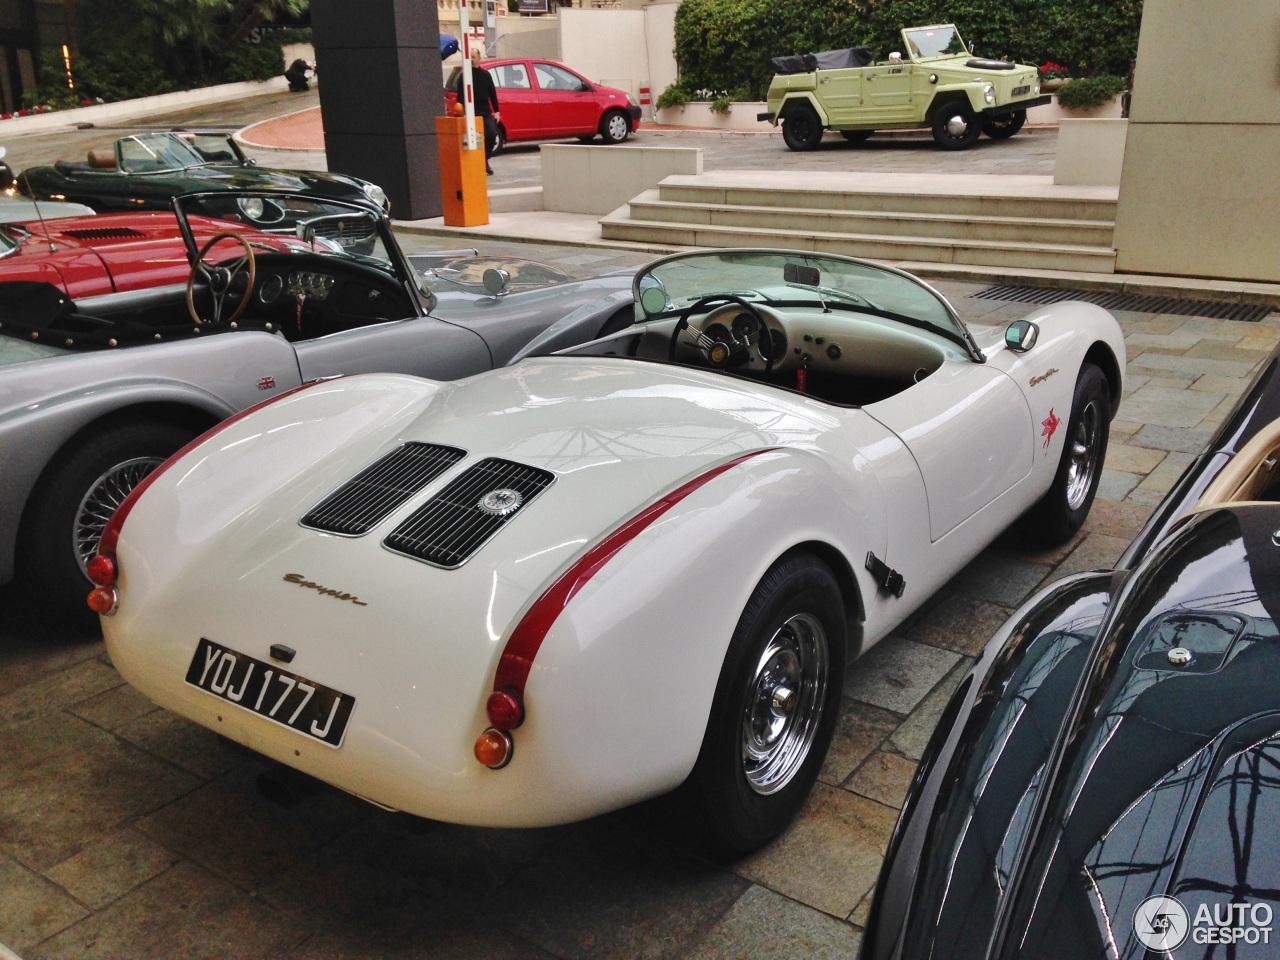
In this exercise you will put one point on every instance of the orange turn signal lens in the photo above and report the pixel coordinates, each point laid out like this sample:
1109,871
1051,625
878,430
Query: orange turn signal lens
494,749
103,600
505,709
101,569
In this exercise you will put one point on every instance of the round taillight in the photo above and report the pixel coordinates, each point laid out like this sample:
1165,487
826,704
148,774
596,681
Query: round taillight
505,709
494,748
101,569
102,600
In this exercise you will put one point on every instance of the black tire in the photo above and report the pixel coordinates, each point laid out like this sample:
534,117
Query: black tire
76,496
615,127
1004,126
499,141
759,761
801,128
857,136
1061,511
955,127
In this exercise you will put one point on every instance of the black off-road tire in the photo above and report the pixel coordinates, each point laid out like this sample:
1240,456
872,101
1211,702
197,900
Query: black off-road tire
801,128
955,127
1004,126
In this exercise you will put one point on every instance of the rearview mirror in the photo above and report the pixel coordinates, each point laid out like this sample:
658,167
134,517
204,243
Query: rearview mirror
1021,335
799,273
495,281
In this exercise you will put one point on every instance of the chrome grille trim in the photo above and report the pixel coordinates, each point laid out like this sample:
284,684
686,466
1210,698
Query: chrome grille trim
379,489
448,529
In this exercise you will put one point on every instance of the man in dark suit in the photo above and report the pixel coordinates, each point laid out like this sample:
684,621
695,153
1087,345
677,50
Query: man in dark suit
486,104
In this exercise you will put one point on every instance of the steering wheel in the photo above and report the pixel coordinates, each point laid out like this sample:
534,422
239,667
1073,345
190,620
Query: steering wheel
219,277
731,345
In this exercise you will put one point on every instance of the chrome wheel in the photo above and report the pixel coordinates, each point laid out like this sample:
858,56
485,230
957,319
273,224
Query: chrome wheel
957,126
1084,455
784,703
104,496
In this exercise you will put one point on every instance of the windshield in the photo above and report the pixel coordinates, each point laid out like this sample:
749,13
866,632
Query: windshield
937,41
8,243
669,287
156,153
327,226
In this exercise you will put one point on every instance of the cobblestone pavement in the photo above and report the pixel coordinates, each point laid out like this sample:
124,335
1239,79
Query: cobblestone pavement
126,832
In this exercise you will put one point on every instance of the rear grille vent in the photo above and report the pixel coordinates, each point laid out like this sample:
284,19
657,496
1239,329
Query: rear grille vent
103,233
448,529
372,495
1138,303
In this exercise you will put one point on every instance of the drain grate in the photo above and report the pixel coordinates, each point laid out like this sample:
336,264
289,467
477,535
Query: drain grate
1138,303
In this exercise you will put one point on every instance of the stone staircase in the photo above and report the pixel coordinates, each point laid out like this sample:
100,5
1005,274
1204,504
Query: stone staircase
1018,222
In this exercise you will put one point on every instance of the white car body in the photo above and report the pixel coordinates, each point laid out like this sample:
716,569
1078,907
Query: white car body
619,690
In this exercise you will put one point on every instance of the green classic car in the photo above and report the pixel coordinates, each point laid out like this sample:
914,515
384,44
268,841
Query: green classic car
147,170
939,85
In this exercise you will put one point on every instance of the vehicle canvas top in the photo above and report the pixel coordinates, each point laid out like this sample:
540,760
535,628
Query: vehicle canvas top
824,60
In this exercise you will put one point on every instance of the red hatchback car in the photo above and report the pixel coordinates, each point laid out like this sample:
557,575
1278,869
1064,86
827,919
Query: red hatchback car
544,100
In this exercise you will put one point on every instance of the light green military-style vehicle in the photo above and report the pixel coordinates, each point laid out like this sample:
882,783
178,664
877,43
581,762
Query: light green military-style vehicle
940,85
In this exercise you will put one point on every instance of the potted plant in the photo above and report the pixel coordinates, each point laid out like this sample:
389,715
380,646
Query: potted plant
1053,76
1087,93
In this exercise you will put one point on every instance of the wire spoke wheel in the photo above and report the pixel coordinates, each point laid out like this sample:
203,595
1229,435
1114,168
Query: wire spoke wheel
784,704
101,501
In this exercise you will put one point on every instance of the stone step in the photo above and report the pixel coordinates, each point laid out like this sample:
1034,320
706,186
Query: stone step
1023,255
694,189
1068,231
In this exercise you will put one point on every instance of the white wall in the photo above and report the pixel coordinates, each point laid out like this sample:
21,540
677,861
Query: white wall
607,46
627,49
1199,191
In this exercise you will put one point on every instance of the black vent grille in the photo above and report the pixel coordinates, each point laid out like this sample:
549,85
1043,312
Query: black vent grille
1137,303
448,529
103,233
375,492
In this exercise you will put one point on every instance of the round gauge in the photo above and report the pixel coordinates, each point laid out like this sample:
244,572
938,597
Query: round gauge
744,325
270,288
716,331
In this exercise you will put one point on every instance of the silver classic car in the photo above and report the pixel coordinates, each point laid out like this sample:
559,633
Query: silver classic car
96,392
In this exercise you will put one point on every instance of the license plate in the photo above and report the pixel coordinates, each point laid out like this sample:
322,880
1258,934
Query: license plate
292,701
1021,91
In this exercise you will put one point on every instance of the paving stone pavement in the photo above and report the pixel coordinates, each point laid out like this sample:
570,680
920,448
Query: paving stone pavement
126,832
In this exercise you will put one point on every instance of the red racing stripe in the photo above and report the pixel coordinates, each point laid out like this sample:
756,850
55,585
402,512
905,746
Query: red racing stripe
517,657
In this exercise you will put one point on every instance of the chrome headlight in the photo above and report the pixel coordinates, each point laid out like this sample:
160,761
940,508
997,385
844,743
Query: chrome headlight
260,209
377,195
989,94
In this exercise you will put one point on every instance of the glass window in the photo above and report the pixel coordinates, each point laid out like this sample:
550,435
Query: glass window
511,76
551,77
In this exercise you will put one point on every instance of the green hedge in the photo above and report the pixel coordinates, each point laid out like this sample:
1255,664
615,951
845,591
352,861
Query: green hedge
725,45
1089,92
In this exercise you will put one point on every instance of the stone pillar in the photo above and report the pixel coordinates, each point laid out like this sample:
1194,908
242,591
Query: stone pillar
1200,187
381,88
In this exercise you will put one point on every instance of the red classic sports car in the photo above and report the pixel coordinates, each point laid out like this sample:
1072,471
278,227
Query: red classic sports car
112,253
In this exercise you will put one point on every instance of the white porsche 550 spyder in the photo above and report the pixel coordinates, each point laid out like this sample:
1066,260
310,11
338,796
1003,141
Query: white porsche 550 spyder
594,576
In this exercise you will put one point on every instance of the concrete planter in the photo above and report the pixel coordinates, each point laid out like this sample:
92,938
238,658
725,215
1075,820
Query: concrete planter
741,116
1052,113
